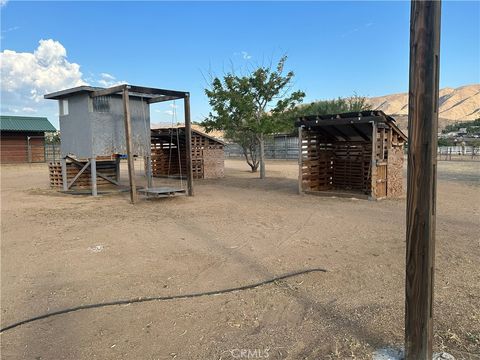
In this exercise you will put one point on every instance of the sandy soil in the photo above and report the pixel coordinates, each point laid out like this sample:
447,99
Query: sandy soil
59,251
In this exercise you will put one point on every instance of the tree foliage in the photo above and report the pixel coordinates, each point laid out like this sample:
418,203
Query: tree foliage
471,126
249,107
335,106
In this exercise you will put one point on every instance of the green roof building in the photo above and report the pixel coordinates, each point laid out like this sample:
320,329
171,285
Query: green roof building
23,138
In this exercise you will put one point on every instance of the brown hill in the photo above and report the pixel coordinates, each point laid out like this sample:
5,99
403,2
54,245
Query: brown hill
459,104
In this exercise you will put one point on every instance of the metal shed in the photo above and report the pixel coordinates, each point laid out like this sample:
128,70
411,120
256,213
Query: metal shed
351,154
106,122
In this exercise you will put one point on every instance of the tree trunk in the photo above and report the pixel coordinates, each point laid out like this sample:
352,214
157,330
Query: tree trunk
261,142
252,159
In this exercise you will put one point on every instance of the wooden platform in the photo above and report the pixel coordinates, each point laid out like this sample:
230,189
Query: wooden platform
162,191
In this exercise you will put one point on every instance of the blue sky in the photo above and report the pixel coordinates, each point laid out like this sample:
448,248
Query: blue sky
335,48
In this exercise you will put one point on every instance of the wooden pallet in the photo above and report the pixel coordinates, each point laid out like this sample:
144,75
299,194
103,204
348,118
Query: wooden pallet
106,167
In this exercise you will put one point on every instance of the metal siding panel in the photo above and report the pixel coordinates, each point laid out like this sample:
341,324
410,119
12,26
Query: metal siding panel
75,128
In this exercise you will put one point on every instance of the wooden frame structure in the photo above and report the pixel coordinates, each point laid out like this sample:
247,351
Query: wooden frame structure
351,155
98,139
169,154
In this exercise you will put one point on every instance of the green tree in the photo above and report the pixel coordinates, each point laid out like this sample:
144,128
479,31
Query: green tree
52,137
250,107
340,105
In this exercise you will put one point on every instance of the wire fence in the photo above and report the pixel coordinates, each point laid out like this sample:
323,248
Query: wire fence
286,148
458,153
282,147
30,152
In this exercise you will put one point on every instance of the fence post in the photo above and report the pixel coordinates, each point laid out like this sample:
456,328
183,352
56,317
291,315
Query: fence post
29,150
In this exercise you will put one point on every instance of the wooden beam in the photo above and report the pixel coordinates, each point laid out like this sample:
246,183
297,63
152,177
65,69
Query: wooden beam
341,133
109,91
128,140
78,174
340,121
360,132
188,144
382,147
99,174
421,178
155,91
162,98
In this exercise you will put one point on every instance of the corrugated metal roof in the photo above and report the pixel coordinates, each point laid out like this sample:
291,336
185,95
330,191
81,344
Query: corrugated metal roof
25,123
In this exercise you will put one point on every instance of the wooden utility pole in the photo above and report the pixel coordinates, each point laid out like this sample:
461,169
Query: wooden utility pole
422,173
128,140
188,144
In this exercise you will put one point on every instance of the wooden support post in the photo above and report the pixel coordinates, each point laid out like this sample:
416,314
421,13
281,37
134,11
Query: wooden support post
300,160
117,168
63,161
421,178
93,174
29,150
148,171
188,144
373,163
128,139
382,148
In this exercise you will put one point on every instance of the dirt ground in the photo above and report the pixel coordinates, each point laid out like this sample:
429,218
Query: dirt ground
59,251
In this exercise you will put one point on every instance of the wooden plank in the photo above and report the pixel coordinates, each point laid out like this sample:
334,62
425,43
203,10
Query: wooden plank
163,98
421,180
109,91
78,174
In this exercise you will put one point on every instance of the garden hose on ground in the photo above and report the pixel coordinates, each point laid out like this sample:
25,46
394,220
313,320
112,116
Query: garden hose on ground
160,298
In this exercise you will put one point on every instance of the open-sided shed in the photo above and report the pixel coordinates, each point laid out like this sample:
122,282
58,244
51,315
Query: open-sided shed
352,154
96,123
169,154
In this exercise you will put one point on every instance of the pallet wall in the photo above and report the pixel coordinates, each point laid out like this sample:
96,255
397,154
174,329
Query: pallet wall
316,162
207,158
335,165
106,167
351,166
347,165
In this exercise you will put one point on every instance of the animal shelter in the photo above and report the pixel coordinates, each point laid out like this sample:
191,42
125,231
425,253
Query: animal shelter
102,124
351,155
169,154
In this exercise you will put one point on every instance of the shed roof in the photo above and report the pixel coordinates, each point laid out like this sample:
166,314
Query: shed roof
25,123
350,125
163,132
152,95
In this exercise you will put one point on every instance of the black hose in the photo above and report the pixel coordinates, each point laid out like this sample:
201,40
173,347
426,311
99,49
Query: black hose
160,298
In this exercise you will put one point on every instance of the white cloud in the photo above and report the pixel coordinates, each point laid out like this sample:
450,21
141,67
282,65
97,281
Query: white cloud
246,55
169,112
108,80
3,2
29,110
26,77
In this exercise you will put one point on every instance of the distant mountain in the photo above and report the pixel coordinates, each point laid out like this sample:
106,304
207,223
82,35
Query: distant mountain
459,104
